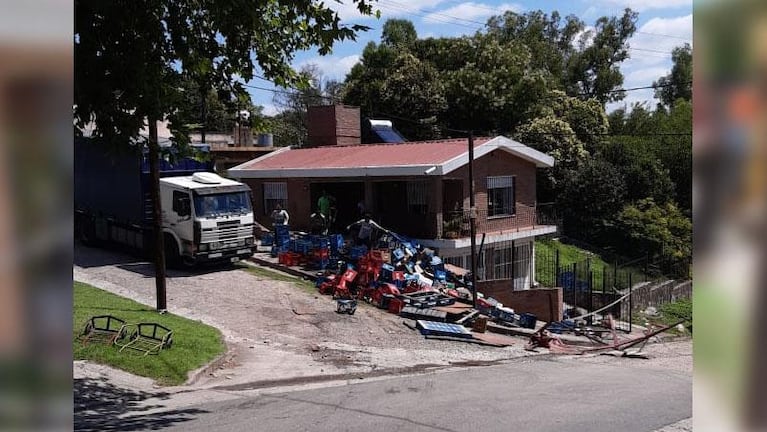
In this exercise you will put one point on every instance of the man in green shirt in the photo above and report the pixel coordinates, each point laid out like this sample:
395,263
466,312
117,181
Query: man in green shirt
324,205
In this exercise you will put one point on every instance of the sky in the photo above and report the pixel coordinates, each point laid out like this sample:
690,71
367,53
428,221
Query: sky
662,25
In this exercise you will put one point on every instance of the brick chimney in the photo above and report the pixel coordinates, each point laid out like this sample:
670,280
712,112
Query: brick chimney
331,125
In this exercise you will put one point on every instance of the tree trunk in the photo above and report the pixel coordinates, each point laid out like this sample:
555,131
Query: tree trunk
154,180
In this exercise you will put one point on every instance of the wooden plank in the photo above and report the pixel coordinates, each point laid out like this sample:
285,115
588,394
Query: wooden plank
494,338
454,309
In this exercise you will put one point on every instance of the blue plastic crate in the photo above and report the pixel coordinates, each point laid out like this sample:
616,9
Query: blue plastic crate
281,240
336,242
440,275
358,251
277,250
303,247
267,239
397,254
386,273
282,230
319,242
527,320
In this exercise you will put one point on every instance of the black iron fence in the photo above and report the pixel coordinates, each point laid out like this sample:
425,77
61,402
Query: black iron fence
591,284
521,217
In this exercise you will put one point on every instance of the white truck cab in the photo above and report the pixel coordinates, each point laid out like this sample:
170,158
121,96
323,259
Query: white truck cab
206,217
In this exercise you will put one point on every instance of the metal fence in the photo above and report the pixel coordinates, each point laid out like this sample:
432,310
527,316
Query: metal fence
521,217
630,284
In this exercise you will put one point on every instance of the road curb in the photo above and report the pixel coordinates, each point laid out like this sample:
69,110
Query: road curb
216,363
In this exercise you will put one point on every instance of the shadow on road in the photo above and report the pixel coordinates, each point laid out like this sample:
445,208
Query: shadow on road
383,417
101,406
127,259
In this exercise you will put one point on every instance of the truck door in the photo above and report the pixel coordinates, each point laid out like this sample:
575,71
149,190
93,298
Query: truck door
178,217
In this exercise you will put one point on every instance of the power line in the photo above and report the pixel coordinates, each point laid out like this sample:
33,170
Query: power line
649,50
561,134
404,8
664,35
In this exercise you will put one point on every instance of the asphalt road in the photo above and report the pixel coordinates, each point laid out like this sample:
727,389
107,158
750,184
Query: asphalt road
533,395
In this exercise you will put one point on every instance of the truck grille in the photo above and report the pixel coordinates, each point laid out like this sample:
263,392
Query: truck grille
231,232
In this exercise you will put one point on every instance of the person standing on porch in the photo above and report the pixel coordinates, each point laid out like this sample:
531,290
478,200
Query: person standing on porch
280,216
323,204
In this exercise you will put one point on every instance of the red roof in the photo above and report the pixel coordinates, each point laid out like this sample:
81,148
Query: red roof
367,155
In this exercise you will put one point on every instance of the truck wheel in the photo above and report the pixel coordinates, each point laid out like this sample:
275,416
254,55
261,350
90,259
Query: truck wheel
172,257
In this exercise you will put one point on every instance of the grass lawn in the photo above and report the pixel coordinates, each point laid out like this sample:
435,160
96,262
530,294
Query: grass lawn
194,343
545,253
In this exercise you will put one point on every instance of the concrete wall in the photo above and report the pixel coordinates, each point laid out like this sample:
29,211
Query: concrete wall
544,303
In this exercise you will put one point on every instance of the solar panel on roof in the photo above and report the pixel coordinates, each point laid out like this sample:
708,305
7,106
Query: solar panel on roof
387,134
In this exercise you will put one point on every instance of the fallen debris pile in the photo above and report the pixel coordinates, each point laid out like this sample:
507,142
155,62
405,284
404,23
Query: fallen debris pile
399,276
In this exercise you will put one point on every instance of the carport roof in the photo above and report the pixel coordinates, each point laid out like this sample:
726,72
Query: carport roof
420,158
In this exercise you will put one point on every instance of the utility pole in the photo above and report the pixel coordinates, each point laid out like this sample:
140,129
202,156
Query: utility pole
159,252
472,221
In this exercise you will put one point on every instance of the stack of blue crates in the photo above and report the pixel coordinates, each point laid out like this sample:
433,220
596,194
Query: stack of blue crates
336,243
281,239
304,247
320,242
358,251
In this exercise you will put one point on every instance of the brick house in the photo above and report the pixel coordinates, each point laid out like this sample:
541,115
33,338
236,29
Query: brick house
418,189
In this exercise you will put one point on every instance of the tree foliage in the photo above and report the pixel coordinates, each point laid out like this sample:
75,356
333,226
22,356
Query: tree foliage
290,126
591,197
131,55
659,228
494,81
216,112
678,83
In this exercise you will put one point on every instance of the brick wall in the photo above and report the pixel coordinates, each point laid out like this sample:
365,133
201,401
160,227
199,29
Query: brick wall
500,163
333,125
544,303
299,205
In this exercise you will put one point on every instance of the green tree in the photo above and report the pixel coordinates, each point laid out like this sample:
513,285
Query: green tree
551,39
577,60
216,112
130,57
678,83
639,164
660,229
290,127
414,84
398,33
591,197
595,69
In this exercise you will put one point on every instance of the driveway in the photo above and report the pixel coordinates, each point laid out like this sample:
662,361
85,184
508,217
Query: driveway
276,330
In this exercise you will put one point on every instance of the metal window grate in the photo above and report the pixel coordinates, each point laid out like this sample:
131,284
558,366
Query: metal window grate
417,197
275,193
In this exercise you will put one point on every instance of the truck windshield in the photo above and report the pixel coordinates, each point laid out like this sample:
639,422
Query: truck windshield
235,203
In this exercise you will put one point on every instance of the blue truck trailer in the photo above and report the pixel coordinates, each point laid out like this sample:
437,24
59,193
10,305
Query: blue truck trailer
205,217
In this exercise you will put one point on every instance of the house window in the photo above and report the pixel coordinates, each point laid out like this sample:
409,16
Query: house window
522,265
500,196
502,263
480,265
275,193
417,202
